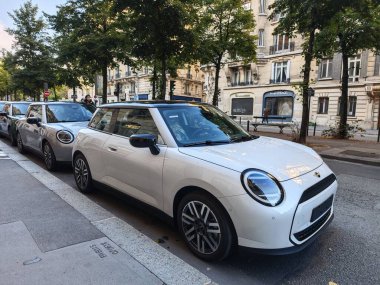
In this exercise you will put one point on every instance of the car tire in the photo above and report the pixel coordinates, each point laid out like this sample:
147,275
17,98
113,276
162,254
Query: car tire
20,145
49,157
82,174
205,226
12,139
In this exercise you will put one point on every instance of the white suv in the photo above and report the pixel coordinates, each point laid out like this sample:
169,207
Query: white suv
222,186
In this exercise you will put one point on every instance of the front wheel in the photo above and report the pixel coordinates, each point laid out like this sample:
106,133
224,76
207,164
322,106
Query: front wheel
49,157
82,174
205,226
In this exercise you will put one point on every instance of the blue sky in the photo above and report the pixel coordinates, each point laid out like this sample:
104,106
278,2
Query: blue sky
48,6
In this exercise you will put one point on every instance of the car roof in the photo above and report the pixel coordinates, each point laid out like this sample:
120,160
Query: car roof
55,103
13,102
152,104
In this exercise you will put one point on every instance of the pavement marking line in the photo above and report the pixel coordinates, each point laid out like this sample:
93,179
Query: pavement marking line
166,266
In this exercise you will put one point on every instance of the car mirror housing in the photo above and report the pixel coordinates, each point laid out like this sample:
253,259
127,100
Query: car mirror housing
3,114
34,121
145,141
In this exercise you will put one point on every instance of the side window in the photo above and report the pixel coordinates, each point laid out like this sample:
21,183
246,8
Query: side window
6,108
35,111
136,121
102,120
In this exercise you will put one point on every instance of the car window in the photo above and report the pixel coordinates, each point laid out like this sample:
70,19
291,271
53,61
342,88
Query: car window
6,108
61,113
136,121
19,109
35,111
102,120
1,106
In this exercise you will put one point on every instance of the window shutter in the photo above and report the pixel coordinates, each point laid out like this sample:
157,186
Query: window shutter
377,65
364,64
337,66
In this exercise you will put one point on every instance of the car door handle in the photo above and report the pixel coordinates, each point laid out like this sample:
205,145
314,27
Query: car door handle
110,148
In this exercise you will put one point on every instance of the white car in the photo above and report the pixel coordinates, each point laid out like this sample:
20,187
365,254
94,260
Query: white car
221,186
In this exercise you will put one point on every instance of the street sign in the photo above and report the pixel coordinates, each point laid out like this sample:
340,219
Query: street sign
74,96
46,93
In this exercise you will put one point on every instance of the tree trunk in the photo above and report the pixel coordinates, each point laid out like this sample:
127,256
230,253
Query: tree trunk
215,98
163,77
154,82
305,87
55,93
342,132
74,94
104,75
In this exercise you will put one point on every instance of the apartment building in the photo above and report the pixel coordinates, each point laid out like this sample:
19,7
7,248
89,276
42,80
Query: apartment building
128,84
269,83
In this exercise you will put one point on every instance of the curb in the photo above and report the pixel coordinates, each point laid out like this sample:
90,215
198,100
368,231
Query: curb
166,266
348,159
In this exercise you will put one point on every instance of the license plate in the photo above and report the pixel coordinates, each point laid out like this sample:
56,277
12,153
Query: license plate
321,209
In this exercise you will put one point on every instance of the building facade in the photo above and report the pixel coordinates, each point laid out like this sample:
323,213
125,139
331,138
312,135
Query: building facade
269,84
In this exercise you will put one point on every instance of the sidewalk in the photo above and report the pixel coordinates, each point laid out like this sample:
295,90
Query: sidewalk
358,151
52,234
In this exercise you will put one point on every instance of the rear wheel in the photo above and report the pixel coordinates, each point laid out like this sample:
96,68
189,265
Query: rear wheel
82,174
20,145
49,157
205,226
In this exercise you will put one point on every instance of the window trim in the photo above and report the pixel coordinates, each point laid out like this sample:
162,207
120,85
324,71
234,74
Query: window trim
261,38
325,109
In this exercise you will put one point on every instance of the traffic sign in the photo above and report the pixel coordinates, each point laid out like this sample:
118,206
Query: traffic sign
46,93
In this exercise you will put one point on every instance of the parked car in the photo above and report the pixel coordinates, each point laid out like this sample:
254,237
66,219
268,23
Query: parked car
10,113
49,129
221,186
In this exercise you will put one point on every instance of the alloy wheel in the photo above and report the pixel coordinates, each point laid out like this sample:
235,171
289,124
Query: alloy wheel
201,227
48,156
81,173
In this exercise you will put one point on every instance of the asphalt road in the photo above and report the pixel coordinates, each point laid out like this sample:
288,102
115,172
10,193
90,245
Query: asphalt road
347,253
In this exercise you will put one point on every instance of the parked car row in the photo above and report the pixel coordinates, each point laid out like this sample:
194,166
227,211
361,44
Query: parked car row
220,185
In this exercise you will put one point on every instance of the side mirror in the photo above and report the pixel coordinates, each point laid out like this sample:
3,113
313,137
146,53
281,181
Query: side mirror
145,140
34,121
3,114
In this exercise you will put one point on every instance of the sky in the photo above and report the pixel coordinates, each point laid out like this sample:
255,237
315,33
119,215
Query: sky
48,6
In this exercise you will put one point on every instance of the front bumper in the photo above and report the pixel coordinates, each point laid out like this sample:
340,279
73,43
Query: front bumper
290,225
63,152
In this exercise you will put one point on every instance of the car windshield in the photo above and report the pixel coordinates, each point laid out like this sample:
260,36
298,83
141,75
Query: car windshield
19,108
202,125
60,113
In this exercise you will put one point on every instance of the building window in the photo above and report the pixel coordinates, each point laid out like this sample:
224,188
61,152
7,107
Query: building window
261,38
262,7
127,70
281,42
325,68
247,6
242,106
132,88
235,77
247,76
354,65
351,111
323,105
280,72
279,103
187,89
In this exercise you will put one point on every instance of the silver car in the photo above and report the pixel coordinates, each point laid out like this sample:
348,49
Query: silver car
49,129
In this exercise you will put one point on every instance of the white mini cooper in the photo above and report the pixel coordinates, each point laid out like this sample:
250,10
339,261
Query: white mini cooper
222,186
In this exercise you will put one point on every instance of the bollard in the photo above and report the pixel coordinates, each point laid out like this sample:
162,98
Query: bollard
248,126
315,126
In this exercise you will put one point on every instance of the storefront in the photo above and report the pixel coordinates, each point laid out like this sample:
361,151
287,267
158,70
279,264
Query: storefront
279,103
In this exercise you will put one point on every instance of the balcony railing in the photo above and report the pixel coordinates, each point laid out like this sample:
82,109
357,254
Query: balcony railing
242,83
274,49
274,81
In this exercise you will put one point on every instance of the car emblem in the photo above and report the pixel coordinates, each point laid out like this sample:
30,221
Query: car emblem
317,174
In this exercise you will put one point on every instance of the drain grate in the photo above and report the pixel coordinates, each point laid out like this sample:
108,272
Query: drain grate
360,153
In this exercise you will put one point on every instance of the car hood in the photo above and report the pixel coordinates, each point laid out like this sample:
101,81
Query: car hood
73,127
283,159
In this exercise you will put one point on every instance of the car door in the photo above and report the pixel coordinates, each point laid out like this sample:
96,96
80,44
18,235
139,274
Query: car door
30,133
134,171
4,121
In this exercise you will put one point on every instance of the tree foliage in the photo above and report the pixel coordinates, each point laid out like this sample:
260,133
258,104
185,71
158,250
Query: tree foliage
32,60
5,81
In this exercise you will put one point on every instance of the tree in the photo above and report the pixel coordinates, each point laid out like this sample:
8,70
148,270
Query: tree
160,33
5,81
224,35
89,40
354,28
32,59
304,18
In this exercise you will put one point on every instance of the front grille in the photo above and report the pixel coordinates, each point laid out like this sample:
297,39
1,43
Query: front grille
317,188
304,234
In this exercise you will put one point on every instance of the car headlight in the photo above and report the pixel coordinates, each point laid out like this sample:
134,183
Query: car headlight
65,137
262,187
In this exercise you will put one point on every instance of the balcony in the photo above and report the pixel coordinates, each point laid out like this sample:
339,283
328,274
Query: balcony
274,49
243,83
285,80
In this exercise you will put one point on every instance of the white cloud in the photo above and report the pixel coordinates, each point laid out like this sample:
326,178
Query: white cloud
6,39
